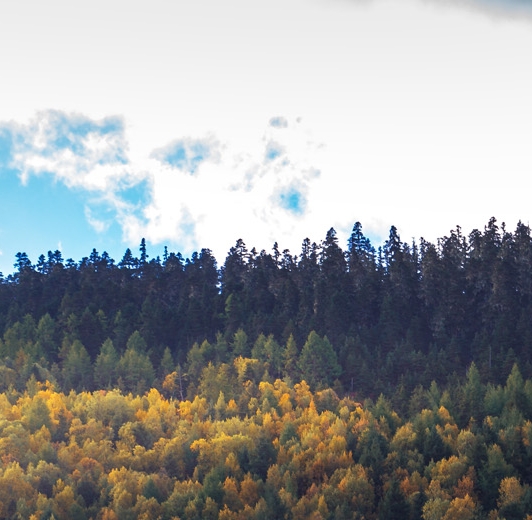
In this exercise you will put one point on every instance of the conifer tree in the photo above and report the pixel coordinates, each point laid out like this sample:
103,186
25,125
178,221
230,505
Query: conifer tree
105,366
318,362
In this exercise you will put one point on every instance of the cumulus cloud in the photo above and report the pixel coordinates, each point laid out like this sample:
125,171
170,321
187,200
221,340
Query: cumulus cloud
273,151
292,199
187,154
259,192
100,226
82,153
279,122
75,149
259,189
416,101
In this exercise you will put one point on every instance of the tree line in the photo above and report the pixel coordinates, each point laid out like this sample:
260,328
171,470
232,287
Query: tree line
396,316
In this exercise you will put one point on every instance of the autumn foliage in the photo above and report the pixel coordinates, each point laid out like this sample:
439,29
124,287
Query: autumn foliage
365,384
267,449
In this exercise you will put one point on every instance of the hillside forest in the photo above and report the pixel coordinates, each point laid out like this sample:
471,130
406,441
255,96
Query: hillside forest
375,383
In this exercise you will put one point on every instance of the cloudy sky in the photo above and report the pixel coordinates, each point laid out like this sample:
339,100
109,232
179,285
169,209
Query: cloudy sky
193,124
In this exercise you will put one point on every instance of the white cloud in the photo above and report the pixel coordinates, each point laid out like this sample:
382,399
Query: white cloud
75,149
412,112
187,154
279,122
273,151
239,194
99,225
259,191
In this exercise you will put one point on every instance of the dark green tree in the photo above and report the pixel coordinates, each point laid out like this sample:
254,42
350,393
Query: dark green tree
77,367
105,366
318,362
135,370
394,506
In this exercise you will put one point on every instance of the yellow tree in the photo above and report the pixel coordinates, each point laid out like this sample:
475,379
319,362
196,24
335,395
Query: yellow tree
511,501
461,509
64,504
13,487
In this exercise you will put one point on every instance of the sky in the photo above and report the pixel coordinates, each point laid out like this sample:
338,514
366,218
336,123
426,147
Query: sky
194,124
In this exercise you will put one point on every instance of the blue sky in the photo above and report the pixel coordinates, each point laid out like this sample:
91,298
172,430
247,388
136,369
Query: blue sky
193,124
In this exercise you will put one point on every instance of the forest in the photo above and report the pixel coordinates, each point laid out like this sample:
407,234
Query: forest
376,383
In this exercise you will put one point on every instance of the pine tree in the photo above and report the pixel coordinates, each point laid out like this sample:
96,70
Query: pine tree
318,362
105,365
